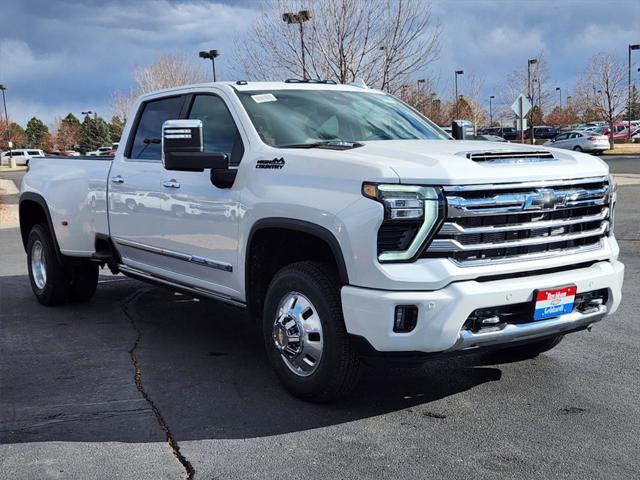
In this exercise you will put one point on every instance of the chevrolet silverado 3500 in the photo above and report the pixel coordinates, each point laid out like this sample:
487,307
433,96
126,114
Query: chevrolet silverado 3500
348,225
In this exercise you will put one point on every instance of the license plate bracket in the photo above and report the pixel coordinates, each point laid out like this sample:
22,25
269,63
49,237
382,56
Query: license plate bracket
553,302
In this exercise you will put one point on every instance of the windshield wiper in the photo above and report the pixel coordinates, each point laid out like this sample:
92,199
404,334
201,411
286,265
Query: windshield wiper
330,144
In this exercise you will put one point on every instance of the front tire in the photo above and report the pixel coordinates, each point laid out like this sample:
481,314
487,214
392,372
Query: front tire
577,148
305,335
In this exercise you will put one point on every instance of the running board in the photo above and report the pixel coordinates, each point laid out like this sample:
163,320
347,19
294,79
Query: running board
196,291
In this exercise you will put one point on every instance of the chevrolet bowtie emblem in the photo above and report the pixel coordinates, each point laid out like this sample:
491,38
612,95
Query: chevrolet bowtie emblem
544,199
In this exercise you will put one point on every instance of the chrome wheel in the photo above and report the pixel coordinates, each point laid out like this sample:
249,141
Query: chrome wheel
38,265
297,334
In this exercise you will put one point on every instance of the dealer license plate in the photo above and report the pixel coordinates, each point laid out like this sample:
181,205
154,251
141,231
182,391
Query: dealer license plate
554,302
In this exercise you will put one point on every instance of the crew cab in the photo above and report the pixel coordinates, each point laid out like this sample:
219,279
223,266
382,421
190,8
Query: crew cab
349,226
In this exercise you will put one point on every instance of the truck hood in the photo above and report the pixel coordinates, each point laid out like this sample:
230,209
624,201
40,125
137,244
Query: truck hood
445,162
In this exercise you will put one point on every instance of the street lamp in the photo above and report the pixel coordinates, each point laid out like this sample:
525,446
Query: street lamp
299,18
458,72
212,54
531,61
421,81
631,47
6,119
491,110
559,90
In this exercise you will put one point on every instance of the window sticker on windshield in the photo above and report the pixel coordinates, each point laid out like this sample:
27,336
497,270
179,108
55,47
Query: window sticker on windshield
264,97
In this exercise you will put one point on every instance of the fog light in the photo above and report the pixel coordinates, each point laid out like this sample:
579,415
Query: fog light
405,319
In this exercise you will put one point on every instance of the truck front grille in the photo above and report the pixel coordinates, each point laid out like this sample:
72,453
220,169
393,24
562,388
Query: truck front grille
521,221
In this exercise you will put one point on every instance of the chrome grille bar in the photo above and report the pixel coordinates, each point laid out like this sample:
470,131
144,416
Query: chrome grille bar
452,228
500,223
450,245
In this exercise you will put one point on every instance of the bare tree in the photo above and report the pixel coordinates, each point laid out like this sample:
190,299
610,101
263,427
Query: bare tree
602,89
383,42
170,70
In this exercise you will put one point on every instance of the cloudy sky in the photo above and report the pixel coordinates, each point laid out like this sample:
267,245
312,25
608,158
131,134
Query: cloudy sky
68,56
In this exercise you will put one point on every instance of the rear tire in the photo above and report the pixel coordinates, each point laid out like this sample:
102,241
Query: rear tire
54,282
303,301
577,148
83,281
48,276
528,350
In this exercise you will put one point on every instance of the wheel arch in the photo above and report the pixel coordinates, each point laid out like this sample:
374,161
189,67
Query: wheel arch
32,210
300,231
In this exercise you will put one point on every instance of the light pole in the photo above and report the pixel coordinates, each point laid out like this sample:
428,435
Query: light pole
6,119
631,47
458,72
559,90
491,110
299,18
212,54
531,61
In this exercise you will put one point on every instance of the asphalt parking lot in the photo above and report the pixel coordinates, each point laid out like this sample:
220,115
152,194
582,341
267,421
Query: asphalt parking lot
93,391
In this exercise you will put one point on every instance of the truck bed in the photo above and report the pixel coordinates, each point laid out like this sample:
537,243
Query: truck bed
75,190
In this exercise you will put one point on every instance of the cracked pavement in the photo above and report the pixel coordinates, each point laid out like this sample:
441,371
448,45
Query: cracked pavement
70,406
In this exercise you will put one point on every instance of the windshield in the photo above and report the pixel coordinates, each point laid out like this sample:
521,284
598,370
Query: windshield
302,117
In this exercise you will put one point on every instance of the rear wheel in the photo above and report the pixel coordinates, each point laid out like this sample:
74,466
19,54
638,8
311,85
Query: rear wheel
53,281
305,336
577,148
528,350
48,276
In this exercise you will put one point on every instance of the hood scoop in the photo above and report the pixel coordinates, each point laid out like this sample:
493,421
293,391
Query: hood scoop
511,157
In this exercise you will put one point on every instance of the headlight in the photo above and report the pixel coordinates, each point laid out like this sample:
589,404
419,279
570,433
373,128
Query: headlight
412,214
613,197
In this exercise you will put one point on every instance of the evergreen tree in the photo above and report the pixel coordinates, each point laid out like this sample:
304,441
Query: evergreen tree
36,131
115,128
94,134
635,104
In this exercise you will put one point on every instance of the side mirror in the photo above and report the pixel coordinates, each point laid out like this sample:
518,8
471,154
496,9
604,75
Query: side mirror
182,148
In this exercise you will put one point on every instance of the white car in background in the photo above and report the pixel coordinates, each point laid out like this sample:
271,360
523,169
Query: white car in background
21,155
99,151
580,142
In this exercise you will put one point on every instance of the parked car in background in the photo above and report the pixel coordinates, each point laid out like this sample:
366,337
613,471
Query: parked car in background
99,151
108,153
580,142
115,145
66,153
488,138
542,132
625,135
600,130
506,133
21,155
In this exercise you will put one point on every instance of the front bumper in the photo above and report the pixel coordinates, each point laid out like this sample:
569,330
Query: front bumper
442,313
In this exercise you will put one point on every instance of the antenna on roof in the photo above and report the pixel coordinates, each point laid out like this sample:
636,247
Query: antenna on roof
358,82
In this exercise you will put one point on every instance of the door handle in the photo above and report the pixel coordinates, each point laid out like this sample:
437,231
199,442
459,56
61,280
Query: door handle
171,183
117,179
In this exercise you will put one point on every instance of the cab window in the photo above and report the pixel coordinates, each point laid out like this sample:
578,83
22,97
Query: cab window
219,131
146,143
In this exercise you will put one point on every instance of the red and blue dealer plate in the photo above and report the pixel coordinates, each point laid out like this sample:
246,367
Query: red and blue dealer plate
554,302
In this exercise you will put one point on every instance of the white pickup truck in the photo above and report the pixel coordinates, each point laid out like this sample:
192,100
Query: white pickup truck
350,226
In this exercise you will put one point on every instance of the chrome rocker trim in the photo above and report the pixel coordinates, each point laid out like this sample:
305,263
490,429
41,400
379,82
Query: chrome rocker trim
206,262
